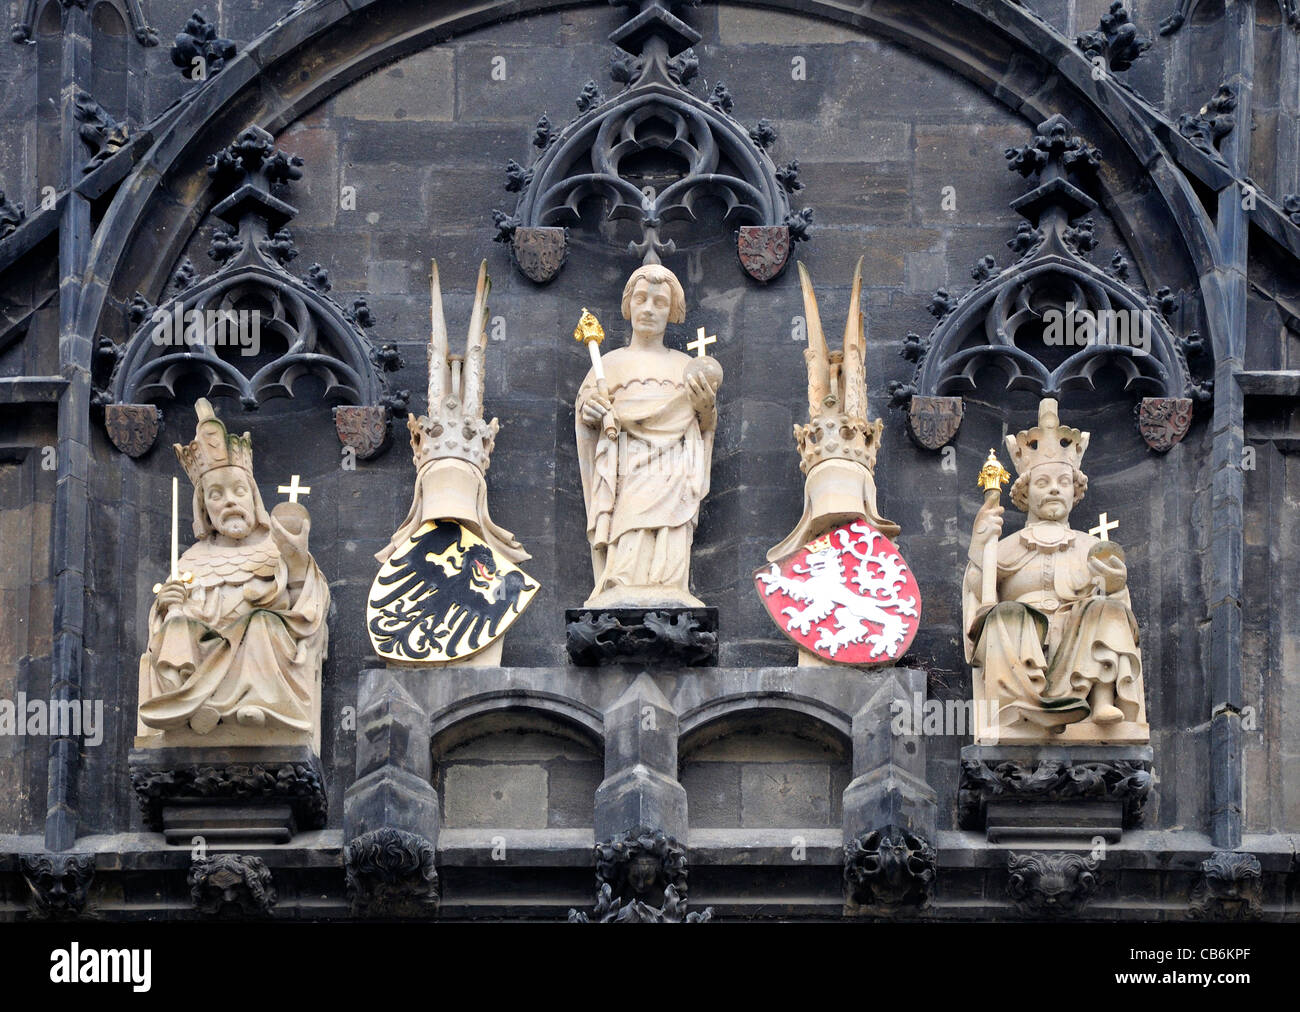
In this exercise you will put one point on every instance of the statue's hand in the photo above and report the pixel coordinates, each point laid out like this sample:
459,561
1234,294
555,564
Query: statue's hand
988,527
172,594
702,395
1108,568
292,544
595,408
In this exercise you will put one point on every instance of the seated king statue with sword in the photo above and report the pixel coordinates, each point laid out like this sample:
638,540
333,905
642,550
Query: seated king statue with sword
238,632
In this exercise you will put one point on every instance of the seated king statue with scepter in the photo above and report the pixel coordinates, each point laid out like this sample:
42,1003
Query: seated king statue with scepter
1050,632
238,632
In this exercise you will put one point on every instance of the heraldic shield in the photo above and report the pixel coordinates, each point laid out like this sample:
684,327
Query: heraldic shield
444,596
846,596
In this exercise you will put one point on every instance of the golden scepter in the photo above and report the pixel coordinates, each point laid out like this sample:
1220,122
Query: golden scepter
589,332
176,574
991,479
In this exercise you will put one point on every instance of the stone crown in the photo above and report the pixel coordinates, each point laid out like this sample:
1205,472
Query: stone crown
838,437
1047,442
212,446
445,432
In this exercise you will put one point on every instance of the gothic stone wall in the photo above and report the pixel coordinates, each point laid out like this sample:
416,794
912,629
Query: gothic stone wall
879,132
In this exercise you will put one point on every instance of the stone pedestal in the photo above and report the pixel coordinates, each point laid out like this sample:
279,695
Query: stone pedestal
684,637
1053,793
230,795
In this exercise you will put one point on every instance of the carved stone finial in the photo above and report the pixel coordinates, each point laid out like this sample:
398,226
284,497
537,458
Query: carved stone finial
1051,884
232,885
1229,888
1116,41
198,52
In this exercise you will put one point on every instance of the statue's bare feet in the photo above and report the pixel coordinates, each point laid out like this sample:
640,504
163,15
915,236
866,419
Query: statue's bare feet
250,716
205,719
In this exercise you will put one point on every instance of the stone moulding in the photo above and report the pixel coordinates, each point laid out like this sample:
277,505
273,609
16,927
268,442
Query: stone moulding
711,155
205,334
1001,321
1121,780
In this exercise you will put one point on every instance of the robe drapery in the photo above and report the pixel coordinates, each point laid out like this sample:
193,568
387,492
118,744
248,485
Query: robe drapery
243,640
643,489
1051,638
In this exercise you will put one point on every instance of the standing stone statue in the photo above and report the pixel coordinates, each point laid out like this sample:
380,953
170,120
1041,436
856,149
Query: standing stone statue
1051,637
646,415
235,650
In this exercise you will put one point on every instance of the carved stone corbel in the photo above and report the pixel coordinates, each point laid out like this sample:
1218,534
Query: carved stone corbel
1229,888
391,873
1051,884
640,878
890,868
232,885
59,884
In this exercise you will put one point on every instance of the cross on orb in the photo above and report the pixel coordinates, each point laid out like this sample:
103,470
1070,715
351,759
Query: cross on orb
700,343
293,489
1104,527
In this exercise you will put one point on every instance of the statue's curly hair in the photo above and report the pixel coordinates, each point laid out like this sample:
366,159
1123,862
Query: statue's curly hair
1020,489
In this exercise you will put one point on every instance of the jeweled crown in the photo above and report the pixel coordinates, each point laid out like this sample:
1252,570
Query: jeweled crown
1047,442
212,446
448,433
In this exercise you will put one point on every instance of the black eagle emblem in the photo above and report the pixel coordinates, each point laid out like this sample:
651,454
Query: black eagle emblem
444,597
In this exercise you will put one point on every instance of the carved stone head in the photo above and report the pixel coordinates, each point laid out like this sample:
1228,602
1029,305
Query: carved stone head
653,298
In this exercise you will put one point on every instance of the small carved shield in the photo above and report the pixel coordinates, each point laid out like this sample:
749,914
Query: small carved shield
763,250
846,596
934,421
1163,421
132,427
443,596
364,427
539,251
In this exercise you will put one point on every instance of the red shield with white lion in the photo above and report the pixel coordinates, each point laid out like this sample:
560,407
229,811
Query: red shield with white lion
846,596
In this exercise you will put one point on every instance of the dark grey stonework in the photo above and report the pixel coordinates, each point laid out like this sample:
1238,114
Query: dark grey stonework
763,771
